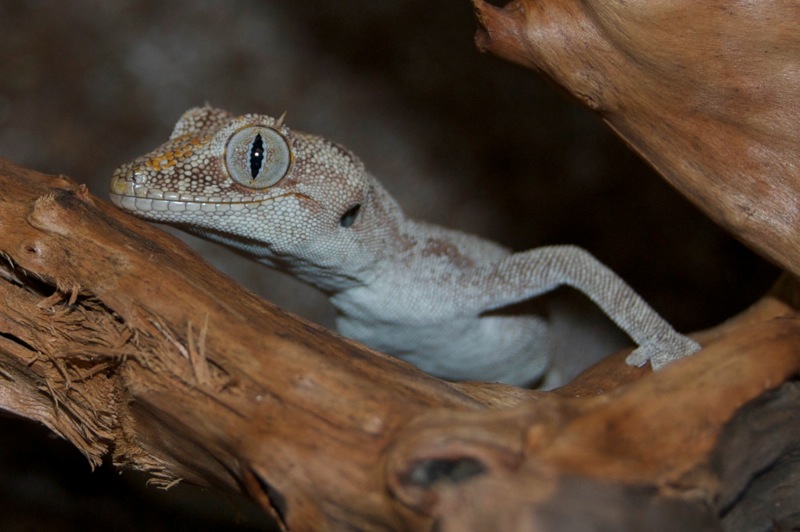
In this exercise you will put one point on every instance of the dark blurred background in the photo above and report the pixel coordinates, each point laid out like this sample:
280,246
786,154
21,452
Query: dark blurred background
460,138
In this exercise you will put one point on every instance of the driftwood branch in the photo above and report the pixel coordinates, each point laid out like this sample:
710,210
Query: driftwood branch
120,339
704,91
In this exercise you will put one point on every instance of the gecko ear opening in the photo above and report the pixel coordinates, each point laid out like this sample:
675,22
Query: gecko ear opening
257,156
349,217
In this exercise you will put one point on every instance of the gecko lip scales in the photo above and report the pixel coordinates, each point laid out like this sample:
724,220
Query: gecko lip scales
121,186
141,204
155,200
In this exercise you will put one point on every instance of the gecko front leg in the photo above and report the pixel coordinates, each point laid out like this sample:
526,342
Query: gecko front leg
532,273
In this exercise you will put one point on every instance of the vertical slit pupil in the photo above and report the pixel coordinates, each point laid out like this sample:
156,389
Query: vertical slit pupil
257,153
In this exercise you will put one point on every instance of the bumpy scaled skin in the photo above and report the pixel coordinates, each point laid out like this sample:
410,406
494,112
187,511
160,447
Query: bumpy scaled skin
432,296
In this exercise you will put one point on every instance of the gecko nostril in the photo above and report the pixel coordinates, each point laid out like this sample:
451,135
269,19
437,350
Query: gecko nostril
139,177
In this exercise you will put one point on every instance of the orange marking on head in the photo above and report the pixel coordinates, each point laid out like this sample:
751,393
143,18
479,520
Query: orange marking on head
183,147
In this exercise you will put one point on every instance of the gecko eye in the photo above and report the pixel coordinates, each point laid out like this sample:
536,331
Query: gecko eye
350,216
257,157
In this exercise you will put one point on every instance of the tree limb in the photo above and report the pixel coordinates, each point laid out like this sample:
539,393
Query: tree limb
120,339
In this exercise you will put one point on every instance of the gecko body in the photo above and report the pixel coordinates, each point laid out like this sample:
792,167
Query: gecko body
432,296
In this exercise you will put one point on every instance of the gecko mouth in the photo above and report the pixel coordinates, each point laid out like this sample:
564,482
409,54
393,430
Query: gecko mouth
184,203
126,195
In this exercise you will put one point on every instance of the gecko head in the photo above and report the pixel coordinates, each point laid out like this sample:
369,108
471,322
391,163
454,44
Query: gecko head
293,200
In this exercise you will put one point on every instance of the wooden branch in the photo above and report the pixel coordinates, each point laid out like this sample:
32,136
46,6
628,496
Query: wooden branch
704,91
120,339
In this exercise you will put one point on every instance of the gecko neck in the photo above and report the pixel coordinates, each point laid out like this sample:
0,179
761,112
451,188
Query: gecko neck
371,250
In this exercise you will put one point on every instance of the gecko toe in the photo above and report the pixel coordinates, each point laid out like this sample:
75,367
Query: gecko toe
662,353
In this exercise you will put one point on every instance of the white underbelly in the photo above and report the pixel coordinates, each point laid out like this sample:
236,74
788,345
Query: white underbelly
509,349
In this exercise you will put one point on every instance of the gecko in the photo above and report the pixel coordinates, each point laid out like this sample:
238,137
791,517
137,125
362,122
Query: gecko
439,298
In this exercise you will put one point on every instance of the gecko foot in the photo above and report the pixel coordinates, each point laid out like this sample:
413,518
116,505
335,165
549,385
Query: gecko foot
662,352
